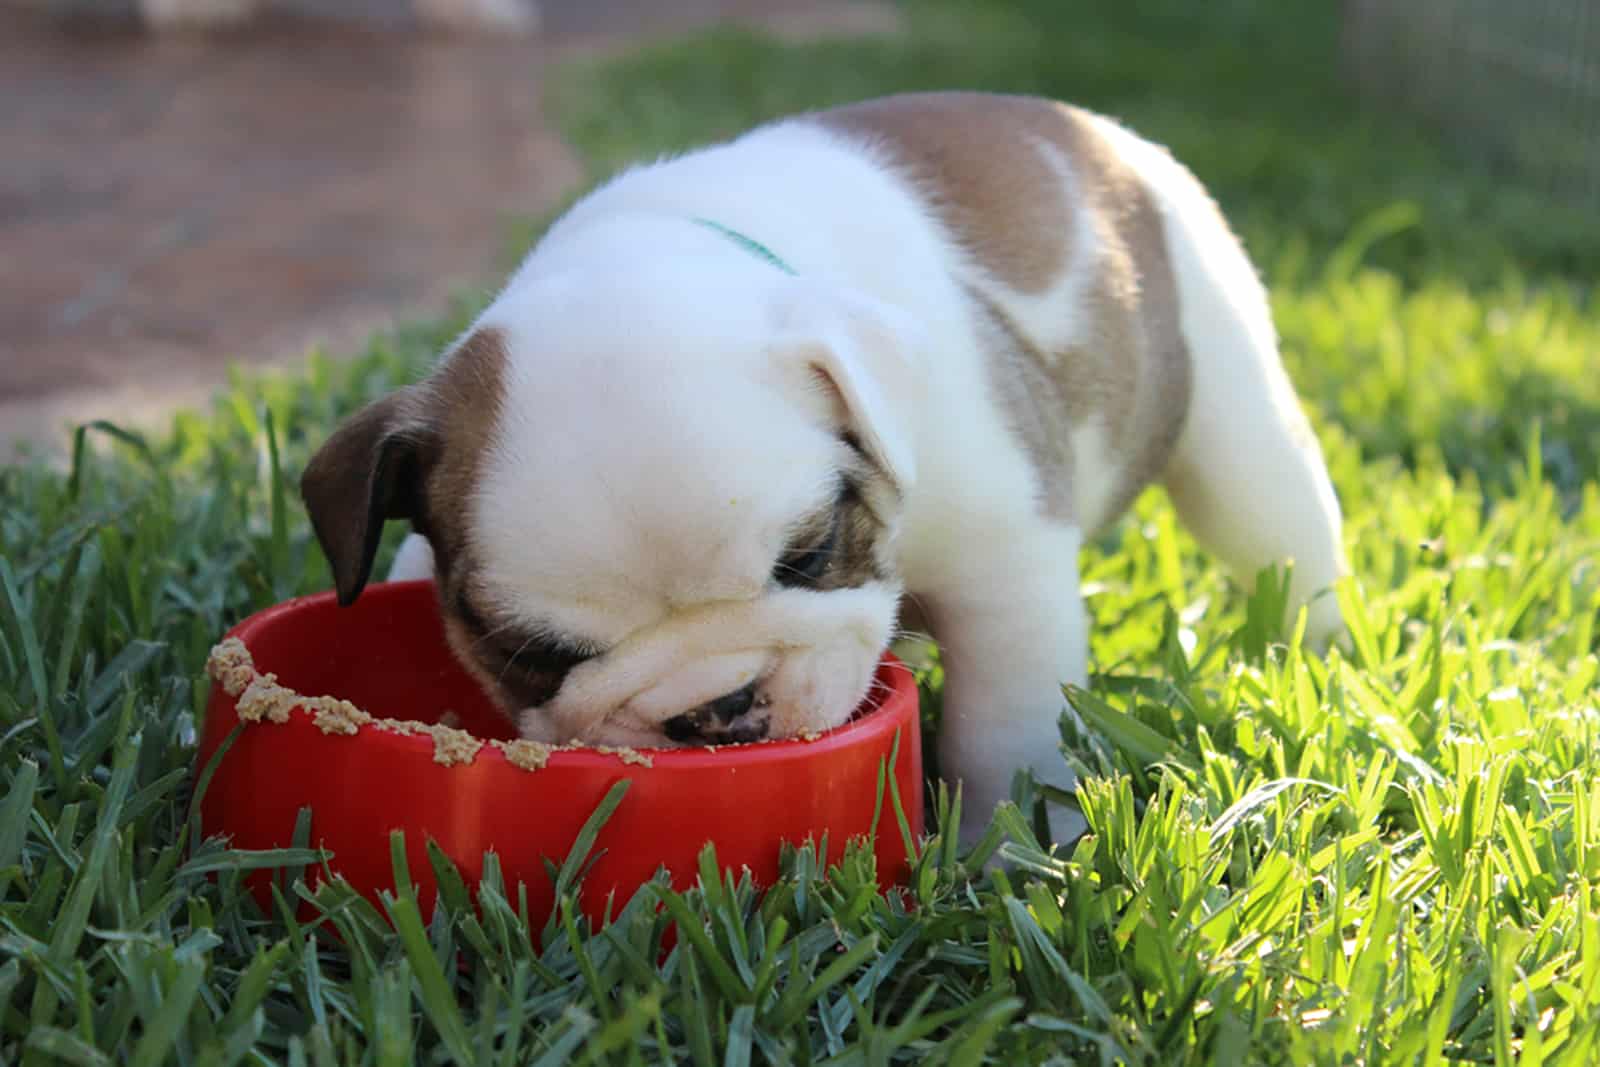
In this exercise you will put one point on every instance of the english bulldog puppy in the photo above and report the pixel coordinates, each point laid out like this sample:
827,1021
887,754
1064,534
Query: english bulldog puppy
742,412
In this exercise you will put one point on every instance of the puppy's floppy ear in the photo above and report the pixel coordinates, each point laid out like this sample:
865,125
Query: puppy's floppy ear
865,352
370,470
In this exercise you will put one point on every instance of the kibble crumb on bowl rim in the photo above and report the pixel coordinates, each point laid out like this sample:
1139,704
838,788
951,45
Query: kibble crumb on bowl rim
260,699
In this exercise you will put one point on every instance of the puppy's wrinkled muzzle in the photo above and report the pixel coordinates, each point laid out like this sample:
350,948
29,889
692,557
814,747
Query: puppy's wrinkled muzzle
735,667
725,719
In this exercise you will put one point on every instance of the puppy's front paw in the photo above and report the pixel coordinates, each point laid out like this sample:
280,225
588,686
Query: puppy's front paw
1067,825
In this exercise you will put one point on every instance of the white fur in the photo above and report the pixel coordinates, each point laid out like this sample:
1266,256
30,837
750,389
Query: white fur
662,429
413,561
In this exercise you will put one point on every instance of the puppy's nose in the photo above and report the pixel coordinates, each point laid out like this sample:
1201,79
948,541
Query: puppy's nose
711,720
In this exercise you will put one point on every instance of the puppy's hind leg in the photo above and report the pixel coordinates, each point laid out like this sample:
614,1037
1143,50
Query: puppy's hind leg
1247,474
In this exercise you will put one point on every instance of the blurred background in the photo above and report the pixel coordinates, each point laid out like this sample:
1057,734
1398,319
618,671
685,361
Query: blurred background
189,184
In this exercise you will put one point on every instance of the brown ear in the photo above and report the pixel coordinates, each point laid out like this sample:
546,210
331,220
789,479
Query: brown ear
370,470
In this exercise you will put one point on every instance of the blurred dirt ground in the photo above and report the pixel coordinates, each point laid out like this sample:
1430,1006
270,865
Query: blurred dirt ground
171,204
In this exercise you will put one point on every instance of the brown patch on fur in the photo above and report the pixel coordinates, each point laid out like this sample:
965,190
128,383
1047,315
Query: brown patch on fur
1142,386
911,617
523,670
847,537
463,398
976,160
469,653
447,424
526,670
860,555
984,163
1038,397
414,454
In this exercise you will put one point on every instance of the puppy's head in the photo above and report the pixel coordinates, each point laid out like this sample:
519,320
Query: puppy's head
662,508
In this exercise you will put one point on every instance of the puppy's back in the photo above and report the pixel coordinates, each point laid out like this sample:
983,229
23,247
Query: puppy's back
1064,258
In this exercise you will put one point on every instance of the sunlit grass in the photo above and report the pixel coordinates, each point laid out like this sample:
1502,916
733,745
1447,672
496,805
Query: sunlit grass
1386,857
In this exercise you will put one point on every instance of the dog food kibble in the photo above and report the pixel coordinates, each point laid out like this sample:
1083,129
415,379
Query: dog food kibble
452,746
231,666
335,716
259,696
264,698
626,755
529,755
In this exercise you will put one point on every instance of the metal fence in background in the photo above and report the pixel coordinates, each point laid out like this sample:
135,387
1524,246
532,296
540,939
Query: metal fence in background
1516,83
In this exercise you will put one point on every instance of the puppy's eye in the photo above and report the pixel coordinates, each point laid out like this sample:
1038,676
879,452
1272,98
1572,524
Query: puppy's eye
543,658
807,566
532,672
510,646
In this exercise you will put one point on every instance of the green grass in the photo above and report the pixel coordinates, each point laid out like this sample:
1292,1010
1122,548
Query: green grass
1388,858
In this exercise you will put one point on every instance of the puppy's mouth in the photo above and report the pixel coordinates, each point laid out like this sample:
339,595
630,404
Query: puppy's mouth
790,664
738,717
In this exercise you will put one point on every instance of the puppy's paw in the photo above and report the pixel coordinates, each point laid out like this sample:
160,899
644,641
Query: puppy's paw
1325,626
1067,825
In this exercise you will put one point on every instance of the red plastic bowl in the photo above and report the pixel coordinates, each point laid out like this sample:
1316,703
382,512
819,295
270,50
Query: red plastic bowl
387,655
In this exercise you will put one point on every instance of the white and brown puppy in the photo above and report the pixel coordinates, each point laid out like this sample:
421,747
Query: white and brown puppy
739,406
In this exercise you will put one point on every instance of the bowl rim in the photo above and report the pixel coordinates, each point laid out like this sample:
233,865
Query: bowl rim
886,714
